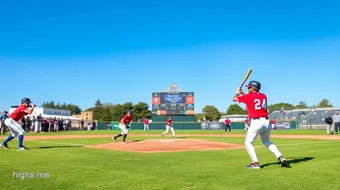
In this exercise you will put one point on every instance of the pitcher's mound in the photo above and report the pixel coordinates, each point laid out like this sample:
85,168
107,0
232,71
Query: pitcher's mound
166,145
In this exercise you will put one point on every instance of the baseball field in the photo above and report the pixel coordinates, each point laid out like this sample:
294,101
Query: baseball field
194,160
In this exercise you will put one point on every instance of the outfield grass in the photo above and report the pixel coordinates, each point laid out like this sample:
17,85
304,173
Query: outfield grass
315,165
297,132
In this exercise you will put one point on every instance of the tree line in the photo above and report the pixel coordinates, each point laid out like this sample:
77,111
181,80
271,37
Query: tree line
113,112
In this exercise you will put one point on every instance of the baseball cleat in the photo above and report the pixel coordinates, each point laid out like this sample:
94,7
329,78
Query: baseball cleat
114,139
162,135
4,146
283,162
124,142
253,166
22,148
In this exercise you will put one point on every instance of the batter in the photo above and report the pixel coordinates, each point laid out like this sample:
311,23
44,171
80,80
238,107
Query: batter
256,103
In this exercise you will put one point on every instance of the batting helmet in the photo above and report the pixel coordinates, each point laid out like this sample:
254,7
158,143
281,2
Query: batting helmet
26,100
254,84
130,111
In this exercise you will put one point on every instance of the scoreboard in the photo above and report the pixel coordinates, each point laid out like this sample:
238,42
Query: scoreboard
173,103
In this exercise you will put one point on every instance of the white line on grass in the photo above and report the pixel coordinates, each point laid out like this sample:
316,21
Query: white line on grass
307,143
52,142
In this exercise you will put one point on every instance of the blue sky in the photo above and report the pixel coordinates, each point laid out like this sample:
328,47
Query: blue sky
78,51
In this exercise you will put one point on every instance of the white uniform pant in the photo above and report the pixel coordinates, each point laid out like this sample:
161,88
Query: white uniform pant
167,127
273,126
329,128
37,127
246,126
259,127
146,127
14,127
124,130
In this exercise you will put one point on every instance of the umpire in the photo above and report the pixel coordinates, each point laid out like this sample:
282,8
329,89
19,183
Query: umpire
329,122
3,126
336,121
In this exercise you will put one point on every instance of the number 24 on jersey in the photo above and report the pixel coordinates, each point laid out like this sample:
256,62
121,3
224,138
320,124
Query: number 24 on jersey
260,104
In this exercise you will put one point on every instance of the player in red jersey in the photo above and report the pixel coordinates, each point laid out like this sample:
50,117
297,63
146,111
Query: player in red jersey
168,126
11,122
273,122
146,125
227,125
246,124
256,103
124,125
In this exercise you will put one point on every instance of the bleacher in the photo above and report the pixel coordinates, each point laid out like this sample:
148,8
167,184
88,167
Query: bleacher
290,114
317,117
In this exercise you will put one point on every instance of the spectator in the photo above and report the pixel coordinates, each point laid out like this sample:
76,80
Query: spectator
23,123
38,124
82,122
28,124
33,121
329,122
89,126
2,122
336,121
93,125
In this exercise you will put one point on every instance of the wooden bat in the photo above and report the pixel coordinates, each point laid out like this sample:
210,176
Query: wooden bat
246,77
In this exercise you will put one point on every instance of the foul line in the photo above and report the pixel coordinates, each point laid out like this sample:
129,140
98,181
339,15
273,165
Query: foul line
52,142
279,145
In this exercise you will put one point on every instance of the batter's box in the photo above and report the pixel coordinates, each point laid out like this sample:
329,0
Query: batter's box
167,145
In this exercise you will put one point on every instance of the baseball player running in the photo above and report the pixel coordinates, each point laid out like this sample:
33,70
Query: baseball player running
11,122
168,126
256,103
124,125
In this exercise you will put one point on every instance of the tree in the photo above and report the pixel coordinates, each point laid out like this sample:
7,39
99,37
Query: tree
98,104
211,113
141,111
324,103
199,117
278,106
235,109
301,105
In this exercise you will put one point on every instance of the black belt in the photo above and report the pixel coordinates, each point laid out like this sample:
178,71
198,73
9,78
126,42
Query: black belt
255,118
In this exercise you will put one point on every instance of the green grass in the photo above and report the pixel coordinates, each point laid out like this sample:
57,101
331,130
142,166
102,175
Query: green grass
180,131
315,165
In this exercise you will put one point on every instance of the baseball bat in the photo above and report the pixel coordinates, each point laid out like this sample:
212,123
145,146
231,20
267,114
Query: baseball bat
246,77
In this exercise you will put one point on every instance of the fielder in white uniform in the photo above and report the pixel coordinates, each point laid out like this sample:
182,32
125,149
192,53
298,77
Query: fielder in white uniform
256,103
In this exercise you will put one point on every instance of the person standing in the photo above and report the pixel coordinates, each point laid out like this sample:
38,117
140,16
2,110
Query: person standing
227,125
2,122
273,123
336,121
38,124
329,125
11,122
146,125
256,103
246,124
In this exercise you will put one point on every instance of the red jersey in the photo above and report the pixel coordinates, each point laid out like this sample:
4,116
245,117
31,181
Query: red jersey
146,121
169,122
272,121
256,103
227,121
246,121
127,119
18,113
